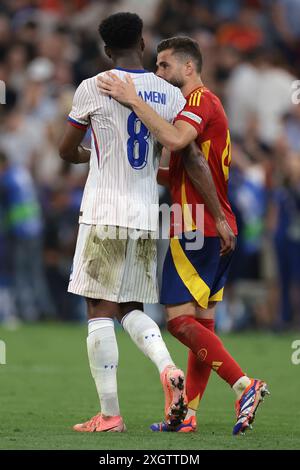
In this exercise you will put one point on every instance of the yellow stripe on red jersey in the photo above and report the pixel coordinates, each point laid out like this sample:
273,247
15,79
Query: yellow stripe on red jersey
195,98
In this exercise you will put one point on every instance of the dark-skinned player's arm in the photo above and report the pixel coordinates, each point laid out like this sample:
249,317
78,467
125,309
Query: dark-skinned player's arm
172,137
200,175
70,148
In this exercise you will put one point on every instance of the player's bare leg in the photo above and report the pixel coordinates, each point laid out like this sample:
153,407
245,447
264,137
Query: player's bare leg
147,336
103,358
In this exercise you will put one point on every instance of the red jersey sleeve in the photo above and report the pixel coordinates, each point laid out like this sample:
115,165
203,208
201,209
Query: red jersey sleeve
197,111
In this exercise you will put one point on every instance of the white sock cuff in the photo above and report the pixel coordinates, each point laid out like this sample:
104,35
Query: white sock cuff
133,314
240,385
98,323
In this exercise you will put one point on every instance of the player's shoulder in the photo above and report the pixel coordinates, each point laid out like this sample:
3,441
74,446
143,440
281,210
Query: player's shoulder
88,84
199,95
211,96
91,81
203,96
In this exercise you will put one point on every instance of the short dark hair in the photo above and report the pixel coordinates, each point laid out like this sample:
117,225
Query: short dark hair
184,46
121,31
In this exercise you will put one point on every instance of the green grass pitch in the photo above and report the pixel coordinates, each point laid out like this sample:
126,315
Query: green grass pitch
46,387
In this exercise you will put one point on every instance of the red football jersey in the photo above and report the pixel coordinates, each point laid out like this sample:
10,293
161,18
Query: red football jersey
204,111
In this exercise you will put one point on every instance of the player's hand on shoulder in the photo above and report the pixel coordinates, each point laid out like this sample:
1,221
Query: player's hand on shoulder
122,91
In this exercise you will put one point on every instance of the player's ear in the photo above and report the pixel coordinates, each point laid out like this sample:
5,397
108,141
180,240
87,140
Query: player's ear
107,51
142,44
189,67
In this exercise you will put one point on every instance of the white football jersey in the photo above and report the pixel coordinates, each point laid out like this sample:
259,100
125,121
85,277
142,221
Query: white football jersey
121,187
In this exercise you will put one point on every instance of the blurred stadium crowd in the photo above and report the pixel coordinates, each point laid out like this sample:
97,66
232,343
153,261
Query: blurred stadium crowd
251,52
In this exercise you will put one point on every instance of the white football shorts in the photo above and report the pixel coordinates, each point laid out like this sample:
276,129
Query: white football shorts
115,263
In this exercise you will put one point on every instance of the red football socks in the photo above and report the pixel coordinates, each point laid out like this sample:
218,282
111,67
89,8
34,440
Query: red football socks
207,347
198,372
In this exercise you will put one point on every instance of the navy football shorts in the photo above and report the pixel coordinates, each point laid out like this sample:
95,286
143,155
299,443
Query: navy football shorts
198,275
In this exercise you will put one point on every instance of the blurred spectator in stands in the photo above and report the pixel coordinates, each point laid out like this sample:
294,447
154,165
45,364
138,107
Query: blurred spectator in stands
60,238
5,36
249,196
259,95
7,306
174,17
29,35
241,95
286,21
273,95
146,9
23,225
224,11
226,59
245,33
16,60
57,46
289,139
286,227
36,101
63,8
21,138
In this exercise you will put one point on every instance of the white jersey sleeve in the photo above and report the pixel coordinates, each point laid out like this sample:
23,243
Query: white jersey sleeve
82,106
178,103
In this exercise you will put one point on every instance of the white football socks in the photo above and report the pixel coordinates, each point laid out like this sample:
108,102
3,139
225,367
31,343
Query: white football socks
240,386
103,357
147,336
